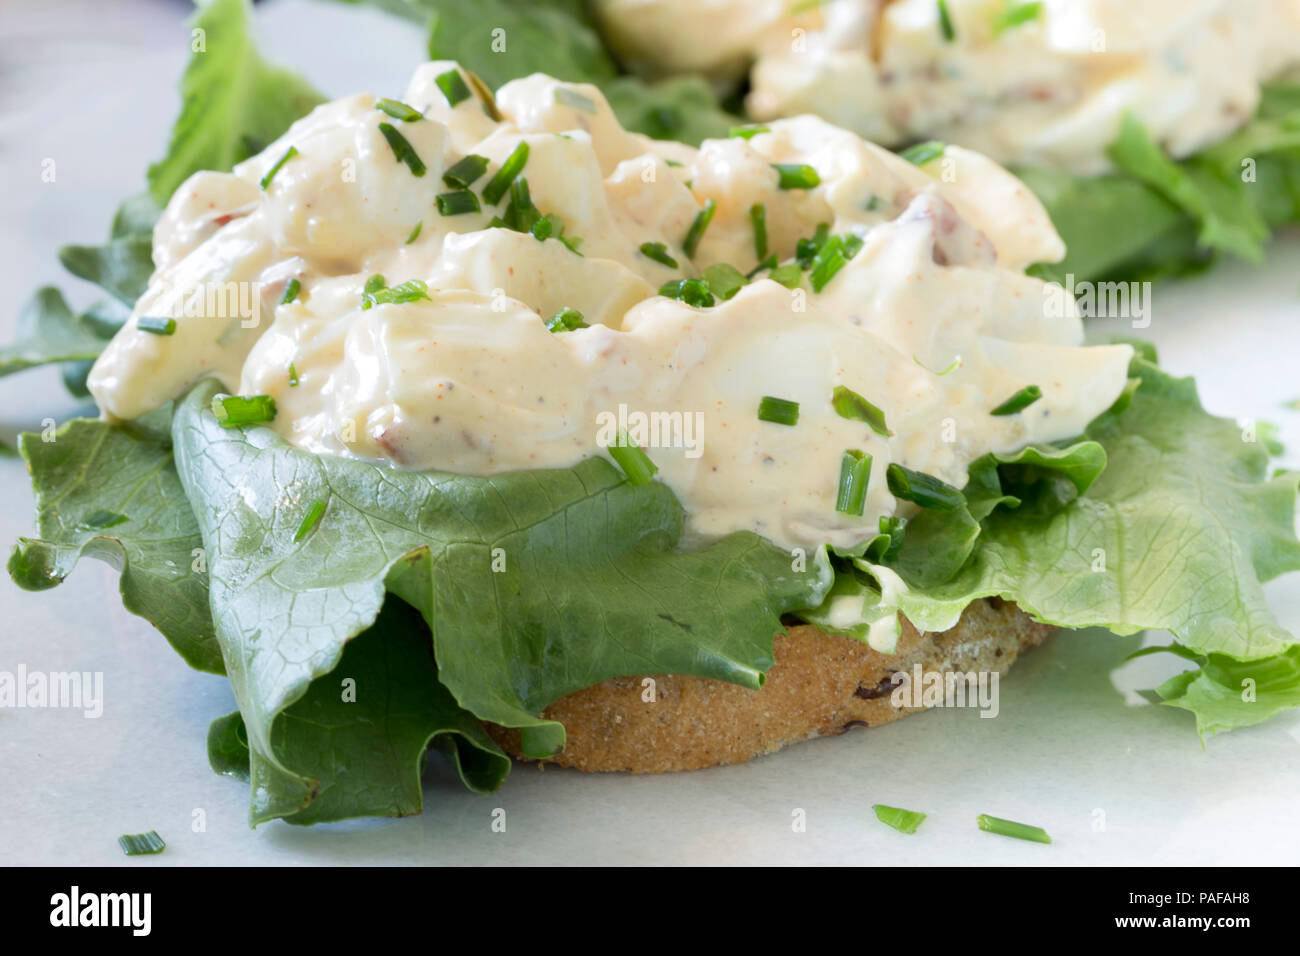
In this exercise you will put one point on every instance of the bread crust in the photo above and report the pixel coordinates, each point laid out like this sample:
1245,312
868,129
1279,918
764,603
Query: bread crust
821,684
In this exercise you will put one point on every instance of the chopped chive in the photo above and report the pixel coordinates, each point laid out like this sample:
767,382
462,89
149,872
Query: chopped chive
415,233
769,263
673,164
289,154
851,244
566,320
904,821
374,284
922,489
104,519
749,131
829,261
724,280
402,149
659,253
457,203
789,275
945,22
542,229
636,464
696,232
521,214
849,404
235,410
573,244
500,182
573,98
1015,16
399,110
1021,831
412,290
1019,401
293,375
484,93
758,218
693,292
291,290
141,844
465,171
310,519
891,527
157,324
806,249
873,203
855,476
778,411
453,87
921,153
796,175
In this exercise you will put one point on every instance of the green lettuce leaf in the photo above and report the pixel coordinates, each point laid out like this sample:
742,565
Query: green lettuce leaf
1178,532
234,103
112,492
534,585
48,331
1155,217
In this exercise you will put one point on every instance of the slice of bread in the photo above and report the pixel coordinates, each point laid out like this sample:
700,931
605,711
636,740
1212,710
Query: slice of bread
821,684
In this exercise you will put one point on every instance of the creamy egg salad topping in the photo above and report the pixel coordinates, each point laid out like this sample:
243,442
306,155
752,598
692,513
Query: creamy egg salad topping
405,263
1026,83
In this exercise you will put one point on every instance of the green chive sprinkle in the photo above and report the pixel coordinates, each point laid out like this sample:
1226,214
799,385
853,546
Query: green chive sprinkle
904,821
758,218
566,320
829,261
796,175
1021,831
636,464
374,284
464,172
578,101
855,475
402,150
873,203
952,366
778,411
724,279
1019,401
922,153
415,233
399,110
849,404
233,411
542,229
806,249
453,87
1018,15
693,292
458,203
659,253
141,844
945,22
293,375
291,290
922,489
104,519
289,154
789,275
499,183
157,324
696,232
310,519
412,290
749,131
521,214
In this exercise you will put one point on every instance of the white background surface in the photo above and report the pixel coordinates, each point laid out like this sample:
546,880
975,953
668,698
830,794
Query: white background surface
93,85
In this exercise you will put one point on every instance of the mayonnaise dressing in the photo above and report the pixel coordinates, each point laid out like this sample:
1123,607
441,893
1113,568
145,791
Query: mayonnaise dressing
470,380
1049,91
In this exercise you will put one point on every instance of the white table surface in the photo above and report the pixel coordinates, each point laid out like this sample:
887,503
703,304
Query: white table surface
93,85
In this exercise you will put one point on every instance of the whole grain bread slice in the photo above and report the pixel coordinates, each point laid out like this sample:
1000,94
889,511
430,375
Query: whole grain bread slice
821,684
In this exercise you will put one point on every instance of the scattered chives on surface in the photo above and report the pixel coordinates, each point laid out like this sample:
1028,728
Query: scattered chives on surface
796,175
232,411
403,150
636,464
314,512
399,110
855,476
904,821
922,489
156,324
291,290
849,404
141,844
1019,401
465,171
1010,828
501,180
289,154
453,87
